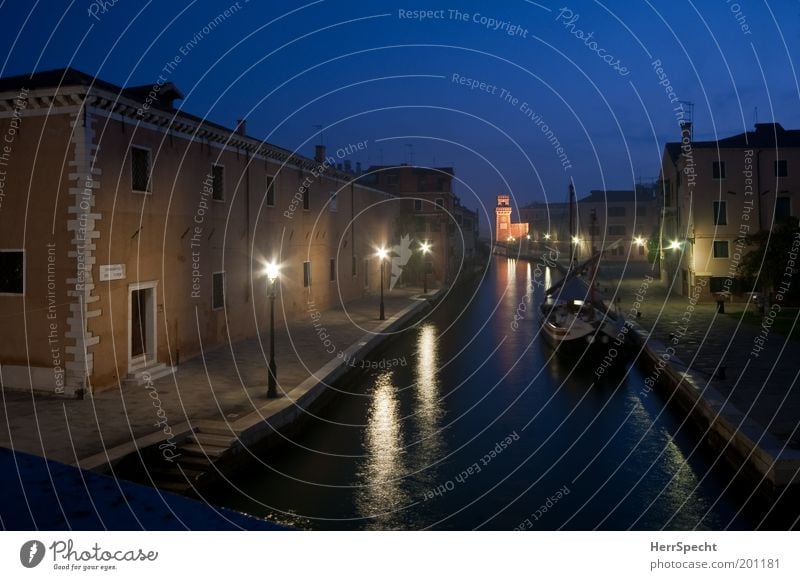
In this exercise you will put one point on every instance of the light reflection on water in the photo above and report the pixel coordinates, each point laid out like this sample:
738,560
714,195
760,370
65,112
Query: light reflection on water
401,451
383,468
623,455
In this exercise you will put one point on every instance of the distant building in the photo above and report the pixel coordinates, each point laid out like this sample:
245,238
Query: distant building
432,213
135,233
505,229
717,192
624,219
547,222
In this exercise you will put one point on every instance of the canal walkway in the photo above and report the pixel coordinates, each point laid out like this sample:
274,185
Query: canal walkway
734,375
223,389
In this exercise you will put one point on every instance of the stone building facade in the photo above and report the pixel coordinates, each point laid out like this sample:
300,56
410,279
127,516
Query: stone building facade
134,237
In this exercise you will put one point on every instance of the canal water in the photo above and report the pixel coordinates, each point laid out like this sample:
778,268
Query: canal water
478,425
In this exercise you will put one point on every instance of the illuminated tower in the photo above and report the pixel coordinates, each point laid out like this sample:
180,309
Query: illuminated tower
502,214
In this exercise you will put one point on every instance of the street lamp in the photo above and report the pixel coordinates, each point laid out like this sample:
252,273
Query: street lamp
675,245
639,241
547,236
382,254
272,270
425,248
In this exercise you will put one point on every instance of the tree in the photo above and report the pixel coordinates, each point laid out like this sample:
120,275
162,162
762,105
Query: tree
766,263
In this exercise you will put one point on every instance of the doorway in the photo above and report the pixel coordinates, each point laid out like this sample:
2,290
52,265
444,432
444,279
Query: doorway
141,324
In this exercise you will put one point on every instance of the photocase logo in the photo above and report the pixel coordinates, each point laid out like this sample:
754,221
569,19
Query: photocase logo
32,553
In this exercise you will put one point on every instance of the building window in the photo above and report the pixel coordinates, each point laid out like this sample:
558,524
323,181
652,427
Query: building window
12,272
306,274
334,202
217,182
391,179
417,205
783,209
270,191
616,211
440,203
781,169
720,213
641,250
616,230
333,270
366,273
140,170
218,290
720,249
718,170
641,211
306,198
355,267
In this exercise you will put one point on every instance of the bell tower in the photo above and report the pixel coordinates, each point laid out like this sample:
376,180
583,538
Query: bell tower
502,214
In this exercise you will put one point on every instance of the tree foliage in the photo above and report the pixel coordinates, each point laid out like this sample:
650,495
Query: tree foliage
766,262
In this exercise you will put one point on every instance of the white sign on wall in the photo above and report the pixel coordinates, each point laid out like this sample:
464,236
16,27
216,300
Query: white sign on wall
112,272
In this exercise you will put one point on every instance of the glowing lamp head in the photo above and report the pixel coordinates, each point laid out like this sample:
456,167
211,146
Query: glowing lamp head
639,241
382,254
425,247
576,240
547,236
528,236
272,269
675,245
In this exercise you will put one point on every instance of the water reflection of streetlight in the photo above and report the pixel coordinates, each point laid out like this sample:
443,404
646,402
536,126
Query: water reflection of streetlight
382,487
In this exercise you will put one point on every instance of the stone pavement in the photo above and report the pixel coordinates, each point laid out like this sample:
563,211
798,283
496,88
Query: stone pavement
762,385
223,384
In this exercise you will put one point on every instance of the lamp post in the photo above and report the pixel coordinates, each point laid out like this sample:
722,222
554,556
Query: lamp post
382,253
271,270
425,247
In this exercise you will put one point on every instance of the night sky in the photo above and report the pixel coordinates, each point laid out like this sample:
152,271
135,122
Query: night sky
372,71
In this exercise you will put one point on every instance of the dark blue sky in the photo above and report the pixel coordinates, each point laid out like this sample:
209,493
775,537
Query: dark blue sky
364,73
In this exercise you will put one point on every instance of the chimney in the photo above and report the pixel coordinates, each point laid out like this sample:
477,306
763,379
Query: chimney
686,130
319,153
347,166
241,127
